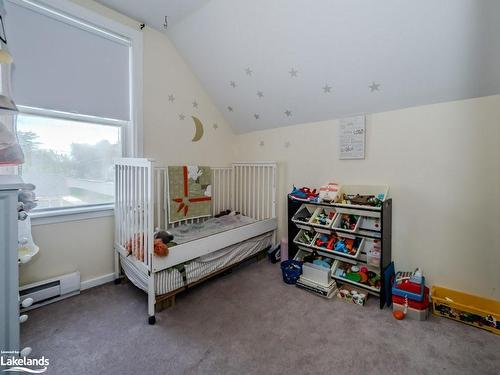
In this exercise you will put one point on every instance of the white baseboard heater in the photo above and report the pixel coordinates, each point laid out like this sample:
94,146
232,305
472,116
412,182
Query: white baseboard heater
48,291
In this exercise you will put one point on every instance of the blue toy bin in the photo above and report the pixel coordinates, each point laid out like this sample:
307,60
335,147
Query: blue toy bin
291,270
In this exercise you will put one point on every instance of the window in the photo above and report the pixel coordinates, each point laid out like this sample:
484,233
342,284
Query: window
70,162
77,81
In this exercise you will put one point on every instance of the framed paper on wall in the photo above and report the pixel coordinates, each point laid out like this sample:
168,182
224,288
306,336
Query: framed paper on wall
352,137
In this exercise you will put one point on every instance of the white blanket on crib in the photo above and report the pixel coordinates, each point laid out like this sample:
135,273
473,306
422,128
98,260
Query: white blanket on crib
190,232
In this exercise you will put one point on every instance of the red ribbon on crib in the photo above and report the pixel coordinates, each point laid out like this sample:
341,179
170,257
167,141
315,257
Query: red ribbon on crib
182,205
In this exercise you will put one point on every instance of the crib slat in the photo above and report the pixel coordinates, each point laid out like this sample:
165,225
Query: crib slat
252,192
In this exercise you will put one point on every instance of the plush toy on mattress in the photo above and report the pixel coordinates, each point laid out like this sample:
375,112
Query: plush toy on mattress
163,240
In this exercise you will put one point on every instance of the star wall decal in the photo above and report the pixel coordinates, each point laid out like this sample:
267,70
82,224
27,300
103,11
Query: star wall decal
327,89
257,116
230,109
195,104
260,94
248,71
182,116
261,143
215,126
293,73
288,113
287,144
171,98
374,87
232,84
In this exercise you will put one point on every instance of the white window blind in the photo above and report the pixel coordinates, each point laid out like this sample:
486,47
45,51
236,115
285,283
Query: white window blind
66,65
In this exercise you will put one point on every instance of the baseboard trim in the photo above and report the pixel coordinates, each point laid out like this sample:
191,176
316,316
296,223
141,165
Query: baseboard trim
91,283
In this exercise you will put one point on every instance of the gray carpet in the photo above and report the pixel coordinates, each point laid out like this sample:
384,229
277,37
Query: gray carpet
249,322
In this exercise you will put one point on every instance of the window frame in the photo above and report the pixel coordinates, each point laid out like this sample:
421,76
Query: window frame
131,131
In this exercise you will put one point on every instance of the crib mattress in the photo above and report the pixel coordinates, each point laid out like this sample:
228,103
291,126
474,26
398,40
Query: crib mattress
191,232
171,279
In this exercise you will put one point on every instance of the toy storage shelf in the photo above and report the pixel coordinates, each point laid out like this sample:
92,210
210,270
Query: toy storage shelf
375,225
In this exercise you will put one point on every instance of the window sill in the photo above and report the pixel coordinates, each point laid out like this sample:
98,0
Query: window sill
71,214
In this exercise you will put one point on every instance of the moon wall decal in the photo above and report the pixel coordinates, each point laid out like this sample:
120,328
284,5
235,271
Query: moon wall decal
199,129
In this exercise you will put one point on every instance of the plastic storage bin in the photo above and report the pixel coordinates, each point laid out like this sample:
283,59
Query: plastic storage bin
300,238
291,271
303,215
338,243
342,218
323,218
317,274
466,308
409,289
343,272
373,252
370,223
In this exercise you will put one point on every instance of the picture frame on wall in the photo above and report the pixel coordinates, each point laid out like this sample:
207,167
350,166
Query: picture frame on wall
352,136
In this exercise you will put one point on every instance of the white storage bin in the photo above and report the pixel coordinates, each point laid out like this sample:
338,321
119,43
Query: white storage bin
301,254
352,255
358,249
303,215
337,225
317,274
329,235
373,252
299,238
339,273
370,223
312,272
329,217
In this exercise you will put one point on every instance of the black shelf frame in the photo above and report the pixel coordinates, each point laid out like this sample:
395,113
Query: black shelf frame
385,238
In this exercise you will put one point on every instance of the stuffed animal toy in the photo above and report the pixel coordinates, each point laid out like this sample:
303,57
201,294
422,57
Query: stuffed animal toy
328,193
162,241
160,248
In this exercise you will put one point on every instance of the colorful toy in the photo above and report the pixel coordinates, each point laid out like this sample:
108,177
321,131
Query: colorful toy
354,273
348,221
162,241
306,237
352,295
304,194
409,285
398,314
410,295
326,241
323,262
362,200
347,245
322,218
317,259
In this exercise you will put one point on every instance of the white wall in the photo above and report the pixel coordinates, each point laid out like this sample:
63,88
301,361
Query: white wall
87,245
84,246
441,163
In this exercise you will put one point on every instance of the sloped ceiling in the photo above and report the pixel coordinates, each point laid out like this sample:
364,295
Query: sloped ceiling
153,12
270,63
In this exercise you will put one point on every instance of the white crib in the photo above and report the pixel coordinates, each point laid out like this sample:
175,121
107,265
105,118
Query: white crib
141,208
